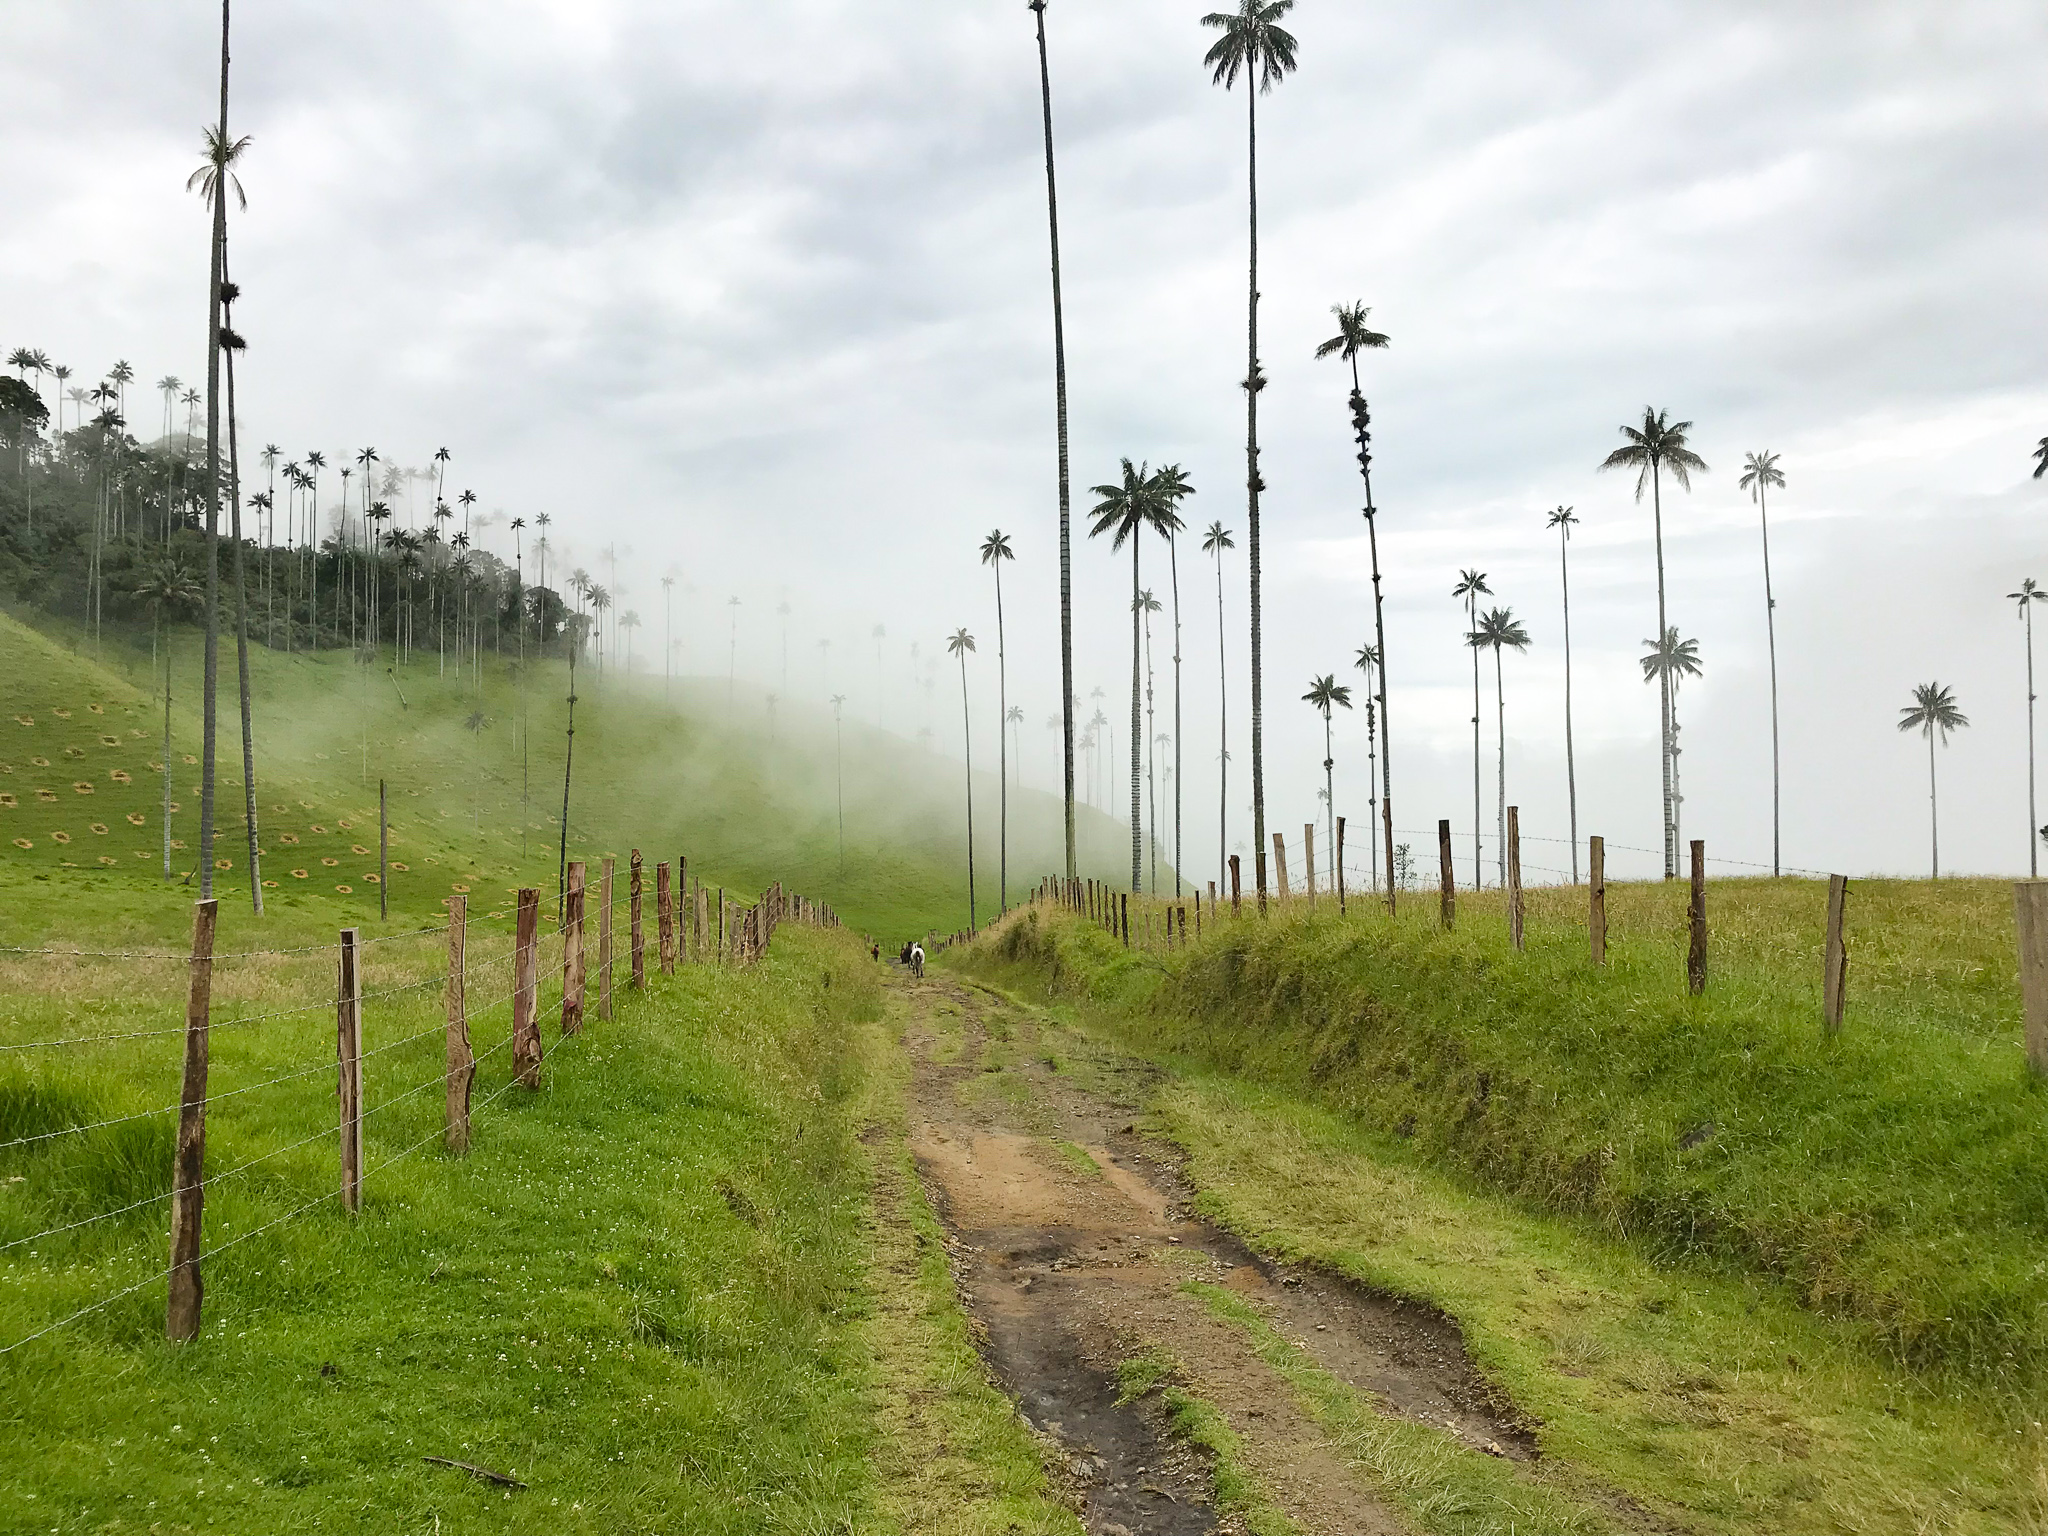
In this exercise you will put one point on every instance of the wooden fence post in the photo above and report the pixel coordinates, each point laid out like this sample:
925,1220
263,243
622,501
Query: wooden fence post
383,855
2030,913
572,950
348,1050
1696,945
526,1048
1596,890
1340,876
1123,909
1515,876
1447,900
1281,892
1236,893
461,1060
1835,967
721,925
604,937
635,935
188,1162
665,919
1308,859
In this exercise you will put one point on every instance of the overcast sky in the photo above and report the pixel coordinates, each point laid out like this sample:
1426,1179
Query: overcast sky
758,295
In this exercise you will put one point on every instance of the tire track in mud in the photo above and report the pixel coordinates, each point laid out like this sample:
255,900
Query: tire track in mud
1072,1242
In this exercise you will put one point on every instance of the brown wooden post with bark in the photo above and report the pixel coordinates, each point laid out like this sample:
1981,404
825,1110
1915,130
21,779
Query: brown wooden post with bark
2030,914
572,950
1696,944
1281,892
635,934
1340,876
1835,964
1236,889
1123,910
665,919
188,1162
1515,876
1447,900
526,1047
1596,894
348,1051
721,926
1308,859
604,937
461,1073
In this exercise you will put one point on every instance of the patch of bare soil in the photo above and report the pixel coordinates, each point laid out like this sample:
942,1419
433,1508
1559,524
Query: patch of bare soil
1071,1240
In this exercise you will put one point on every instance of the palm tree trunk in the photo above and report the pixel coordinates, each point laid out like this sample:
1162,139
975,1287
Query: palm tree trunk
1137,811
1771,636
1933,807
1379,634
1664,683
1151,774
1330,800
1252,487
1478,854
568,765
1223,757
1571,775
242,643
167,749
1173,559
1500,736
2033,842
212,667
967,737
1003,755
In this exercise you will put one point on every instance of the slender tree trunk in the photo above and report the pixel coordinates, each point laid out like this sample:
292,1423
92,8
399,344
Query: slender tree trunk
167,751
1933,808
1330,800
1151,769
1003,754
1137,729
1500,734
1571,774
1173,560
1664,683
1059,350
242,642
1379,627
967,736
1478,838
1253,485
2033,835
212,666
568,765
1771,636
1222,757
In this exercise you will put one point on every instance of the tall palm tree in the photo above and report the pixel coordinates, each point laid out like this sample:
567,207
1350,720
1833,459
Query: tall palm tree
214,178
1253,44
1125,510
1367,661
1059,358
1669,664
1760,475
2028,595
1174,488
1355,336
1500,629
1214,542
1326,694
232,343
1660,444
315,462
1147,605
1471,587
1933,709
1563,521
165,587
995,549
959,644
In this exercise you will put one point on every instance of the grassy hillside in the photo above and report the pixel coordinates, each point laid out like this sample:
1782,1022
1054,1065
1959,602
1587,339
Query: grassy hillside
474,770
1892,1175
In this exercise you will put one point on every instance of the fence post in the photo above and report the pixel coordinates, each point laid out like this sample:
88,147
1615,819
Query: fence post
572,949
1515,875
665,919
1835,970
348,1050
1447,900
1308,860
1696,947
686,909
1596,891
604,936
383,856
461,1060
526,1049
1236,895
2030,913
721,925
635,934
188,1163
1340,876
1123,916
1280,868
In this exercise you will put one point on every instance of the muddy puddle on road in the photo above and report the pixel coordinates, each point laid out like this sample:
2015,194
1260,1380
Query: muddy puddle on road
1073,1247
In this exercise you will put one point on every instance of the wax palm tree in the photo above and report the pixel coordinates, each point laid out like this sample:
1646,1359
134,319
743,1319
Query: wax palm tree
1471,587
2028,595
1761,475
1660,445
1253,44
1125,510
959,644
1147,605
995,549
1668,665
1501,630
166,587
1174,488
1214,542
1059,360
1353,337
1326,694
1367,661
1563,521
1933,709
